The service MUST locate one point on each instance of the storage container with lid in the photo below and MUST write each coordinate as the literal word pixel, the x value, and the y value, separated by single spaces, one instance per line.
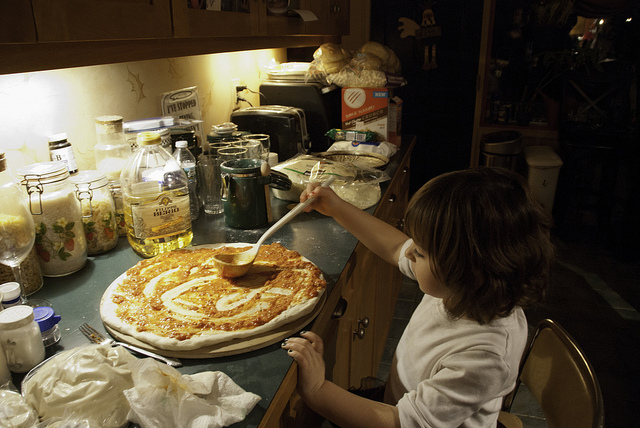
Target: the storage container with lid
pixel 98 211
pixel 10 294
pixel 60 149
pixel 60 240
pixel 48 324
pixel 155 194
pixel 112 150
pixel 21 339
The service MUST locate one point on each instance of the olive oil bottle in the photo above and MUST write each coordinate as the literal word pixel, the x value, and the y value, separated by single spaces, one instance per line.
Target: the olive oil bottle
pixel 155 193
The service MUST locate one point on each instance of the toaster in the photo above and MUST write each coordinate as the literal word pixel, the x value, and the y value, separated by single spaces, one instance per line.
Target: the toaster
pixel 286 127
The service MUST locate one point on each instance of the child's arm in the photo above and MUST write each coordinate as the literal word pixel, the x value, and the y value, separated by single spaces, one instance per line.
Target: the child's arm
pixel 326 398
pixel 378 236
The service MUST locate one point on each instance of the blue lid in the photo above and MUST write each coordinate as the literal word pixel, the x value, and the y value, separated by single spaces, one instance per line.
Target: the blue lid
pixel 45 317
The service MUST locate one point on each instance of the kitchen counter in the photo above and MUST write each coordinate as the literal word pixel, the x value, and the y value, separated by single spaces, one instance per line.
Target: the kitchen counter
pixel 76 297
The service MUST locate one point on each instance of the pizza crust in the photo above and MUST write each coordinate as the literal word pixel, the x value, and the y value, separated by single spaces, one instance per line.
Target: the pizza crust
pixel 180 310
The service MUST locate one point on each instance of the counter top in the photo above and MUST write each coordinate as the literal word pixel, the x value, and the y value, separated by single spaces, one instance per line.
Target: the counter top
pixel 76 297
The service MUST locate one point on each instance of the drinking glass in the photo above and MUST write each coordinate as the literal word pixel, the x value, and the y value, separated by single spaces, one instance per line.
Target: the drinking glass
pixel 232 153
pixel 210 183
pixel 264 140
pixel 254 148
pixel 17 232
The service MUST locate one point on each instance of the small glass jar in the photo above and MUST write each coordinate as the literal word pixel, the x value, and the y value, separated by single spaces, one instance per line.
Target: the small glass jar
pixel 60 240
pixel 48 324
pixel 10 294
pixel 112 150
pixel 98 211
pixel 21 339
pixel 31 275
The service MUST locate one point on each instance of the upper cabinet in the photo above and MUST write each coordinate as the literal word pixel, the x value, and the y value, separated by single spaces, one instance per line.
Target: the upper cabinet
pixel 260 18
pixel 49 34
pixel 78 20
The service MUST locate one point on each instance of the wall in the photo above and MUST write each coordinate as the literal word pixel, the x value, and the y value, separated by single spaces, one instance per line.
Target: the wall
pixel 35 105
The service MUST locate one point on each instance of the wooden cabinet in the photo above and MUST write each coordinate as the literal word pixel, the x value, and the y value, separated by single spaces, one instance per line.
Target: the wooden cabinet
pixel 493 115
pixel 49 34
pixel 76 20
pixel 333 19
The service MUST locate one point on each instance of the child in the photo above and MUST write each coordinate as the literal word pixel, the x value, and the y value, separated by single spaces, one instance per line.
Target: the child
pixel 479 246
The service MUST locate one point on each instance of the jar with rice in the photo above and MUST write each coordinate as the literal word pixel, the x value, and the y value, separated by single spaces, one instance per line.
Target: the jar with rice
pixel 98 211
pixel 60 243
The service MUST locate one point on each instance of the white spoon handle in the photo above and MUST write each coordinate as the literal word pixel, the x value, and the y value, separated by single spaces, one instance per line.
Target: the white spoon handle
pixel 294 212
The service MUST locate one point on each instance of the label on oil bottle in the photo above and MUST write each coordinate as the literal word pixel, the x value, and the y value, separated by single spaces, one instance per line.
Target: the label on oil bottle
pixel 158 218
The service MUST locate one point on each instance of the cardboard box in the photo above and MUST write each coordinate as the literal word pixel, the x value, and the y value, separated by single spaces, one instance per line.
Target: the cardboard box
pixel 373 109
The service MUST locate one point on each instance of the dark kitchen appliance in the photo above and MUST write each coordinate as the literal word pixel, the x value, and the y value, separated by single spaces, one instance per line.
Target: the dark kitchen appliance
pixel 321 105
pixel 286 126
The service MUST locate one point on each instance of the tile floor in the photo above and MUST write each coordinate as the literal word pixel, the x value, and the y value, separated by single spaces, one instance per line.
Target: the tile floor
pixel 596 298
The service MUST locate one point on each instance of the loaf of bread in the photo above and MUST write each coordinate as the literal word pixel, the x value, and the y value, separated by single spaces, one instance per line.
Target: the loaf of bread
pixel 330 58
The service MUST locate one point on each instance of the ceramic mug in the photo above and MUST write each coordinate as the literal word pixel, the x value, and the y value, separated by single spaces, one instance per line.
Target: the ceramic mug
pixel 243 194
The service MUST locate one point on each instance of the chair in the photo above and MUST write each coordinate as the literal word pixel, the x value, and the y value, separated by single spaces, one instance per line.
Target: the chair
pixel 560 378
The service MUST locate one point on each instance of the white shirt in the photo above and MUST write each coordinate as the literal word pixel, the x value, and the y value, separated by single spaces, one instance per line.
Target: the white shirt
pixel 450 373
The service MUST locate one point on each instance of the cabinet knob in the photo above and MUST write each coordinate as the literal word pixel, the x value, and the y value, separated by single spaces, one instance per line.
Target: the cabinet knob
pixel 340 309
pixel 364 322
pixel 400 224
pixel 359 333
pixel 393 197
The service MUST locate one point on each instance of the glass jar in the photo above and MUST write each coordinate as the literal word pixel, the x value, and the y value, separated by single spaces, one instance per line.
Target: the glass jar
pixel 112 150
pixel 116 192
pixel 31 275
pixel 60 241
pixel 21 339
pixel 98 211
pixel 155 193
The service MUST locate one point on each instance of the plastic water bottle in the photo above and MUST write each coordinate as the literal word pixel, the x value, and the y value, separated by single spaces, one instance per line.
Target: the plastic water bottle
pixel 188 163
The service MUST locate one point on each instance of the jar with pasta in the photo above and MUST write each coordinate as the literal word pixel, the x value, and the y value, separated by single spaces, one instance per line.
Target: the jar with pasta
pixel 98 211
pixel 31 276
pixel 60 242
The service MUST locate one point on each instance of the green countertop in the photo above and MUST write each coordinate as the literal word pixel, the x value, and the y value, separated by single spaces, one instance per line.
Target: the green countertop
pixel 76 297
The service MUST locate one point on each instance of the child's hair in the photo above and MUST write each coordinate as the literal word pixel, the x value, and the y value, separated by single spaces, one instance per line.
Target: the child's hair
pixel 487 239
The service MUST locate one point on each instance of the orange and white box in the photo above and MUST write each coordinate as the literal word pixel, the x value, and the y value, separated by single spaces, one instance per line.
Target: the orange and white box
pixel 372 109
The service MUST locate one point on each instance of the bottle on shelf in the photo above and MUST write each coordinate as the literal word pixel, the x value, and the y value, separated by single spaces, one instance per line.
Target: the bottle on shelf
pixel 155 193
pixel 188 163
pixel 60 149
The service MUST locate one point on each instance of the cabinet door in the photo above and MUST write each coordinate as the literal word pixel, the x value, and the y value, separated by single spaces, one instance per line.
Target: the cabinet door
pixel 75 20
pixel 16 22
pixel 388 277
pixel 232 22
pixel 333 18
pixel 362 328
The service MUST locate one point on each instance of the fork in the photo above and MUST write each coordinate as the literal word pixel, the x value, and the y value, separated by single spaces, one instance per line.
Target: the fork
pixel 94 336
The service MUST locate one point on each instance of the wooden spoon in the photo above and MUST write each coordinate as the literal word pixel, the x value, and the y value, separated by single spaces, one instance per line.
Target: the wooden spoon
pixel 238 264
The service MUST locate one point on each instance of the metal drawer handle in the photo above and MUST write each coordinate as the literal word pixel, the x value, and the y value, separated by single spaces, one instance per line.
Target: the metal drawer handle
pixel 340 309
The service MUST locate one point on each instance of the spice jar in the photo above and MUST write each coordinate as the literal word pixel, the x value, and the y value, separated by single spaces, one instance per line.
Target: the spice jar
pixel 20 337
pixel 60 241
pixel 116 192
pixel 47 321
pixel 10 294
pixel 31 276
pixel 98 211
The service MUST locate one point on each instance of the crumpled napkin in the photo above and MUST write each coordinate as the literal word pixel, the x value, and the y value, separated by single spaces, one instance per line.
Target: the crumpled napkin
pixel 163 397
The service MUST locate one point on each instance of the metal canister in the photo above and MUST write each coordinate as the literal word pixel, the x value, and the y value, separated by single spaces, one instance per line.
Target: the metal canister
pixel 60 242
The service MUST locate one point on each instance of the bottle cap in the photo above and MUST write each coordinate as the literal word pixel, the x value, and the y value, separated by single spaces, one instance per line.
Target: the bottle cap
pixel 10 293
pixel 57 137
pixel 45 317
pixel 148 138
pixel 15 317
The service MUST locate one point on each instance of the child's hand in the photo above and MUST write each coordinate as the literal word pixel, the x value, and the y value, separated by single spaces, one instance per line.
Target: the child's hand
pixel 307 352
pixel 326 199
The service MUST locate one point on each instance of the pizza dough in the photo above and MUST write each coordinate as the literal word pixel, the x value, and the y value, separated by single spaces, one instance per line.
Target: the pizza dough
pixel 177 301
